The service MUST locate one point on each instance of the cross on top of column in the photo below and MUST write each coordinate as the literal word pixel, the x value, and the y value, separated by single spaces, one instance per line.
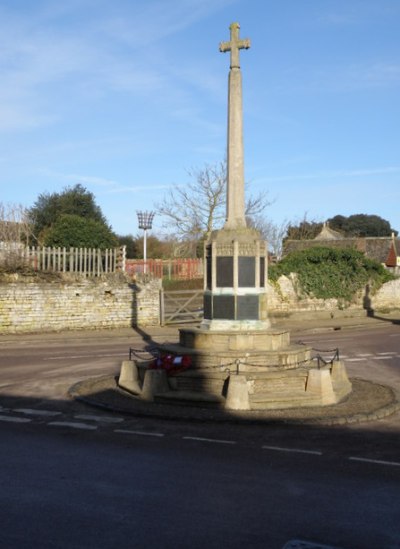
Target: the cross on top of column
pixel 234 45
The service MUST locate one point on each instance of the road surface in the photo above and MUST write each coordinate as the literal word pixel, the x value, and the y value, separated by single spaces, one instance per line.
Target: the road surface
pixel 73 476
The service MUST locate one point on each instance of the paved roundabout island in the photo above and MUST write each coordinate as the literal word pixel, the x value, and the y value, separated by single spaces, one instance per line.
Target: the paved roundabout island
pixel 367 402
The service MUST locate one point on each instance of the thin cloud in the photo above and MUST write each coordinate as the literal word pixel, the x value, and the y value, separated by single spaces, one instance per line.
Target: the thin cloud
pixel 121 189
pixel 335 174
pixel 343 78
pixel 116 49
pixel 363 76
pixel 154 21
pixel 79 178
pixel 358 13
pixel 109 186
pixel 20 117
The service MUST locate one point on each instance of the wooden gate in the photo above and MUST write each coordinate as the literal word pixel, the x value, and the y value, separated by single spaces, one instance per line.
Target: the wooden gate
pixel 181 306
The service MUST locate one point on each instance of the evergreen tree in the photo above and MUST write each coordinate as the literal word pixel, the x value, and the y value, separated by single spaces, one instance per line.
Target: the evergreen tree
pixel 361 225
pixel 70 218
pixel 80 232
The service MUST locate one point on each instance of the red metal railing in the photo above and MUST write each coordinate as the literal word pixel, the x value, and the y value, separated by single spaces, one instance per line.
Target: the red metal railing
pixel 170 268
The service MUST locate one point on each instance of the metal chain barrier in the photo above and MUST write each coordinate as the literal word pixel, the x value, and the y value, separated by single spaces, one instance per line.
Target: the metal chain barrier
pixel 155 352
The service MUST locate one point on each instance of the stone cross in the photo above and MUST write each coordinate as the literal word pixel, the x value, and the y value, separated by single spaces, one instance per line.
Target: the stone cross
pixel 235 205
pixel 234 45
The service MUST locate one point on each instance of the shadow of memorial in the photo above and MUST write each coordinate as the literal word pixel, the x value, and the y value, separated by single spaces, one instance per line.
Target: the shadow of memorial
pixel 366 438
pixel 367 305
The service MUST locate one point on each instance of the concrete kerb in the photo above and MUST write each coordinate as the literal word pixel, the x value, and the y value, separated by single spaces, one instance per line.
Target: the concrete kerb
pixel 103 392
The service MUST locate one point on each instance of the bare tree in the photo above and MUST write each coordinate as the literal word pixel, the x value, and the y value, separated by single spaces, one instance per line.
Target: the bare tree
pixel 197 207
pixel 304 229
pixel 14 234
pixel 274 233
pixel 194 210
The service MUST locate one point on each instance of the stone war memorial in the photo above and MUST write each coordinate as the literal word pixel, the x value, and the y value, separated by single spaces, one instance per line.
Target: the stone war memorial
pixel 235 360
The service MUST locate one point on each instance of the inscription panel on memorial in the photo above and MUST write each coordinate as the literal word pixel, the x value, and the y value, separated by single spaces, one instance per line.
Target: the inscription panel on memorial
pixel 225 272
pixel 224 307
pixel 208 268
pixel 207 301
pixel 247 272
pixel 247 307
pixel 262 272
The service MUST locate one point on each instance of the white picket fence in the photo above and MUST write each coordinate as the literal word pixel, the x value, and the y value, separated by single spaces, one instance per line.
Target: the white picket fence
pixel 85 261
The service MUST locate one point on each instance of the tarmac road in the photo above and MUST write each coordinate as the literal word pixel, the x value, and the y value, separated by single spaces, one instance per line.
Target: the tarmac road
pixel 37 371
pixel 68 488
pixel 73 476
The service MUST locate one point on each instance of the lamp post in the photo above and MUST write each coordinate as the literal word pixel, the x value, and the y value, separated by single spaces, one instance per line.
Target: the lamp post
pixel 145 222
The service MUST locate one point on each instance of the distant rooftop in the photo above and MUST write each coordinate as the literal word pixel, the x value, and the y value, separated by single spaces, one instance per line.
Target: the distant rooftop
pixel 328 234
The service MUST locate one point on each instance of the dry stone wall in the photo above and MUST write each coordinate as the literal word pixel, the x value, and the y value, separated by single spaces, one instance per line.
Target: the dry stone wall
pixel 76 305
pixel 284 299
pixel 113 302
pixel 388 296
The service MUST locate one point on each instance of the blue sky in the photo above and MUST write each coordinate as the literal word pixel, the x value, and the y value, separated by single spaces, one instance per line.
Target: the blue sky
pixel 126 97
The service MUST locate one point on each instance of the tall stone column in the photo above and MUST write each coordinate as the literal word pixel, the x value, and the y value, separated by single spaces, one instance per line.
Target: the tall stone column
pixel 235 203
pixel 236 257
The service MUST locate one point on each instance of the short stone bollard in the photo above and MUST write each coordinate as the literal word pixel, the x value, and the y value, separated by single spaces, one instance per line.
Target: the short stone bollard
pixel 155 382
pixel 340 379
pixel 237 397
pixel 319 383
pixel 129 377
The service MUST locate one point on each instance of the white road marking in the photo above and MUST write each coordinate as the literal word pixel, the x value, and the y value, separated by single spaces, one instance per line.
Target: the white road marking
pixel 294 450
pixel 66 357
pixel 102 419
pixel 355 359
pixel 14 419
pixel 216 440
pixel 376 461
pixel 305 544
pixel 31 412
pixel 383 357
pixel 73 425
pixel 365 354
pixel 74 370
pixel 388 353
pixel 144 433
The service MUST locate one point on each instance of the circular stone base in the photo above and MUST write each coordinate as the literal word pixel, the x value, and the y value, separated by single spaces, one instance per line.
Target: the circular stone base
pixel 367 402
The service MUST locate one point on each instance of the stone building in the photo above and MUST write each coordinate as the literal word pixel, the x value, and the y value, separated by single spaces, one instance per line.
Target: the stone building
pixel 385 249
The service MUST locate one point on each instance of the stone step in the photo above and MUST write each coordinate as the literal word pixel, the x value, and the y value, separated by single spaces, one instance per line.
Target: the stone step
pixel 282 401
pixel 282 385
pixel 198 385
pixel 192 398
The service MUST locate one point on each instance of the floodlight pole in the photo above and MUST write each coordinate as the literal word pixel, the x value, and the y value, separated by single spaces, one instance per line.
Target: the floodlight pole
pixel 145 222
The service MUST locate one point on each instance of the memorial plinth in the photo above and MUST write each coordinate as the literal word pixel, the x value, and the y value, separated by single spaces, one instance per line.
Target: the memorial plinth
pixel 235 281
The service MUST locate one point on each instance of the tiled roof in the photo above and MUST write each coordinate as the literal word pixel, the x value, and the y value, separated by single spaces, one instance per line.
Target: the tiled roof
pixel 383 249
pixel 328 234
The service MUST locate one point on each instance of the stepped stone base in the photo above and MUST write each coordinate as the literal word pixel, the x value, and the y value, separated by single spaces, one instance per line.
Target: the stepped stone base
pixel 240 371
pixel 263 350
pixel 261 340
